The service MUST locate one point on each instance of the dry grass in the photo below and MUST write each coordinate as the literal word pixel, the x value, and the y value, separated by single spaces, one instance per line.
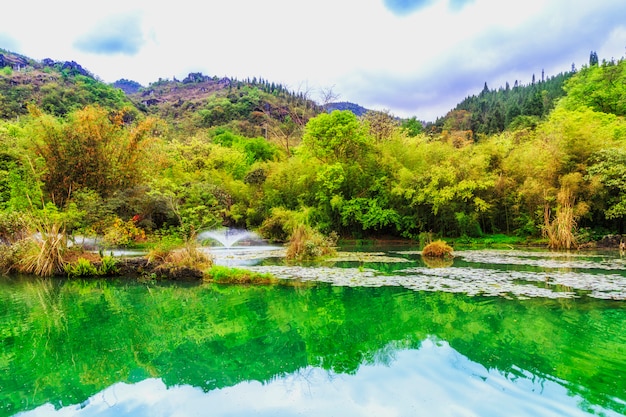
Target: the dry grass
pixel 189 256
pixel 437 249
pixel 307 243
pixel 561 231
pixel 46 256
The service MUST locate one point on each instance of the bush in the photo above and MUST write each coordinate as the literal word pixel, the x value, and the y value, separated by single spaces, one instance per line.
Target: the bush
pixel 13 227
pixel 167 257
pixel 81 268
pixel 45 256
pixel 11 255
pixel 108 266
pixel 279 225
pixel 438 249
pixel 307 243
pixel 122 233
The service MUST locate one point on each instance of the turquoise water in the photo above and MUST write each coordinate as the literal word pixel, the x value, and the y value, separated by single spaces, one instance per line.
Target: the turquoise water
pixel 102 348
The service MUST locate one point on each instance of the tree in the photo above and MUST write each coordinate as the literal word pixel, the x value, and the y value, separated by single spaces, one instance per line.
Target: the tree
pixel 381 124
pixel 609 166
pixel 593 58
pixel 412 126
pixel 88 150
pixel 336 136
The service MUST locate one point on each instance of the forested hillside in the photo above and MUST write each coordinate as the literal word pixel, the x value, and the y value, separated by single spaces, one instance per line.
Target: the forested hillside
pixel 542 160
pixel 493 111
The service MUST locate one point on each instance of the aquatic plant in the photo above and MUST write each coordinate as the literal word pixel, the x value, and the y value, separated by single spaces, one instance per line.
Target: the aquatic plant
pixel 438 249
pixel 226 275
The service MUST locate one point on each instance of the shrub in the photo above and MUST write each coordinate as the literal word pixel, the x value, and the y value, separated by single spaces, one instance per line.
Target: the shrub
pixel 189 256
pixel 45 257
pixel 81 268
pixel 11 255
pixel 122 233
pixel 438 248
pixel 279 225
pixel 13 227
pixel 307 243
pixel 108 266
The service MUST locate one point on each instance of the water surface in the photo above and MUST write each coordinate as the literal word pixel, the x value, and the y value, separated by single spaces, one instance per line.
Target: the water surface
pixel 102 348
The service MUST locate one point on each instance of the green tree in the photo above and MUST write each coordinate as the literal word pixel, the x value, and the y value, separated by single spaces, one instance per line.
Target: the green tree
pixel 609 167
pixel 336 136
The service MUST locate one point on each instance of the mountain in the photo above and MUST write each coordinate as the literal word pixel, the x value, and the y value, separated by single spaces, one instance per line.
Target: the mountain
pixel 345 105
pixel 493 111
pixel 57 87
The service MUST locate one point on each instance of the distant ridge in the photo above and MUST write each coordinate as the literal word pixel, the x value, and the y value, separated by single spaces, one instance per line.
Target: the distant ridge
pixel 345 105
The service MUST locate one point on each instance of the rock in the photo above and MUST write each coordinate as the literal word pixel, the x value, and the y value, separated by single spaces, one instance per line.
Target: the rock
pixel 611 241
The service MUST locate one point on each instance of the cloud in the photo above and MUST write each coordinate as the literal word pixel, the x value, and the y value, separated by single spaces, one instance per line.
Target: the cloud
pixel 121 34
pixel 404 7
pixel 7 42
pixel 496 48
pixel 459 4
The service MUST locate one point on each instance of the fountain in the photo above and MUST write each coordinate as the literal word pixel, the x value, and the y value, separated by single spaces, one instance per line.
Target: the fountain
pixel 228 237
pixel 237 247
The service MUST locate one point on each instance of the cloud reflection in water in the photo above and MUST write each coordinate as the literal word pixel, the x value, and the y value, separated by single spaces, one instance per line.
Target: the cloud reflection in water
pixel 435 380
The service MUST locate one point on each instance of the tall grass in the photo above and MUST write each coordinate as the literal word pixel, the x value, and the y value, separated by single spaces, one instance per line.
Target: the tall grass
pixel 561 231
pixel 307 243
pixel 437 249
pixel 45 257
pixel 187 256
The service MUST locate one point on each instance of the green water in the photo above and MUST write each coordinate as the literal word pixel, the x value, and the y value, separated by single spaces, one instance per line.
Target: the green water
pixel 106 348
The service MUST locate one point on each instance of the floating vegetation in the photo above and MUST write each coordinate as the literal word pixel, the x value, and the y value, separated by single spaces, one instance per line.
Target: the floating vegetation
pixel 559 279
pixel 544 259
pixel 367 257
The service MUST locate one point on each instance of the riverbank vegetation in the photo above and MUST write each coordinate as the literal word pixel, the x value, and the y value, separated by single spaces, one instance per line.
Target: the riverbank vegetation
pixel 250 154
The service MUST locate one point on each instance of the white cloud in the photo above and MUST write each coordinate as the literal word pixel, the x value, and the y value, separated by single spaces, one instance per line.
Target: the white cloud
pixel 435 380
pixel 418 63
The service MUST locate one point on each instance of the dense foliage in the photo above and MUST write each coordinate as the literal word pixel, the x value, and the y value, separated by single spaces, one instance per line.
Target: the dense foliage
pixel 251 154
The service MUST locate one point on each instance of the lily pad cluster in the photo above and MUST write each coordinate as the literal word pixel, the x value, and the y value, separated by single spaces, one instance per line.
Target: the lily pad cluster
pixel 519 274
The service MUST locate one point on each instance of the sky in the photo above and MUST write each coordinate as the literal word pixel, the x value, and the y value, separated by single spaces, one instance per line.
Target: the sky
pixel 409 57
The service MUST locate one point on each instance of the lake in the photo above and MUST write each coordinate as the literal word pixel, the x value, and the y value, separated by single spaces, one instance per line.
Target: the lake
pixel 374 332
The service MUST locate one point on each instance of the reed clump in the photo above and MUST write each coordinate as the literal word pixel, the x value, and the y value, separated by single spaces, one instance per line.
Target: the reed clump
pixel 308 244
pixel 189 256
pixel 438 249
pixel 44 257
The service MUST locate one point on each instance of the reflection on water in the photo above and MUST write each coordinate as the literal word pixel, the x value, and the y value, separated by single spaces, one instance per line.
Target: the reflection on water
pixel 434 380
pixel 98 347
